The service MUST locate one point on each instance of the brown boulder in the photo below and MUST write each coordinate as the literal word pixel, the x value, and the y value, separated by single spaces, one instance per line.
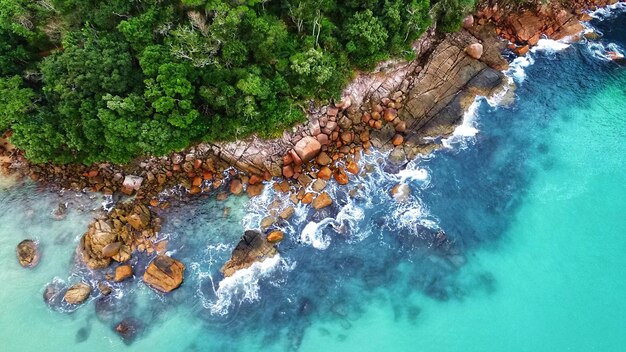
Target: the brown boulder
pixel 390 115
pixel 236 187
pixel 288 171
pixel 397 140
pixel 468 22
pixel 322 201
pixel 324 173
pixel 140 217
pixel 164 273
pixel 308 148
pixel 28 253
pixel 522 50
pixel 474 51
pixel 111 249
pixel 352 167
pixel 275 236
pixel 77 294
pixel 323 159
pixel 253 247
pixel 307 198
pixel 255 190
pixel 341 177
pixel 123 272
pixel 287 213
pixel 319 185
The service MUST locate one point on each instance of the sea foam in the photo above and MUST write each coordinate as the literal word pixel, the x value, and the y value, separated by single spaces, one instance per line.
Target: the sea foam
pixel 243 285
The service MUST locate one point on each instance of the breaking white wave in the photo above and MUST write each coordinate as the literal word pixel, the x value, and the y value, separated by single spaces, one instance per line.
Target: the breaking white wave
pixel 243 285
pixel 313 236
pixel 467 129
pixel 603 52
pixel 550 46
pixel 607 12
pixel 517 68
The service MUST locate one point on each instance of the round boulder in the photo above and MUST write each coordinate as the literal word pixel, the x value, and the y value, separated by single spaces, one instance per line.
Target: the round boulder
pixel 77 294
pixel 28 253
pixel 475 50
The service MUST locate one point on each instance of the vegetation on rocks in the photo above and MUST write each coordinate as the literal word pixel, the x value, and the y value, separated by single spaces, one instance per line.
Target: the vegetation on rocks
pixel 83 81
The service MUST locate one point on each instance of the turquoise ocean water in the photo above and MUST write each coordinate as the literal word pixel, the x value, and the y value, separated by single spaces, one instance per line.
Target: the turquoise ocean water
pixel 531 196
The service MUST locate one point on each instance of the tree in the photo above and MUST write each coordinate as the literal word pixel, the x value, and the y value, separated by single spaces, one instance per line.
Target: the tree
pixel 15 102
pixel 365 36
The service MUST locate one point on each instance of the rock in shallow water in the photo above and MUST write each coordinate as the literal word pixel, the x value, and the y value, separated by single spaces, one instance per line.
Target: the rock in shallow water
pixel 253 247
pixel 77 294
pixel 164 273
pixel 28 253
pixel 128 329
pixel 123 272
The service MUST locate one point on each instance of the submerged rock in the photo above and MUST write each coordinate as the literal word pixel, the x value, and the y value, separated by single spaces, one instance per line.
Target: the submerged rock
pixel 253 247
pixel 60 212
pixel 401 192
pixel 104 289
pixel 128 329
pixel 164 273
pixel 77 294
pixel 28 253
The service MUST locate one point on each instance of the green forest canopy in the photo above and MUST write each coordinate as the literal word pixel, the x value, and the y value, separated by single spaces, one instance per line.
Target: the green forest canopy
pixel 83 81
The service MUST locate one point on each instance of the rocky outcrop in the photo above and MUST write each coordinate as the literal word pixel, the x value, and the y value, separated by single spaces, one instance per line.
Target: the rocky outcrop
pixel 253 247
pixel 114 237
pixel 77 294
pixel 164 273
pixel 438 99
pixel 524 28
pixel 28 253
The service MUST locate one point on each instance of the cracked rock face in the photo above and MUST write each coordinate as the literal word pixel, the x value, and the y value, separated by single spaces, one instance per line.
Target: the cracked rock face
pixel 253 247
pixel 164 274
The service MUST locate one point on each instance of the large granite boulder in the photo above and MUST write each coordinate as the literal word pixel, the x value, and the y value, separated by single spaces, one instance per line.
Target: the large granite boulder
pixel 308 148
pixel 164 273
pixel 253 247
pixel 28 253
pixel 77 294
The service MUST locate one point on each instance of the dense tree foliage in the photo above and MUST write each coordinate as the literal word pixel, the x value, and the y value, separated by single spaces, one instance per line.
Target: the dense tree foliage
pixel 93 80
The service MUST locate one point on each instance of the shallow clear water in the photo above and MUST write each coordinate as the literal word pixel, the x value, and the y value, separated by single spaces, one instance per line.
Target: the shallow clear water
pixel 533 206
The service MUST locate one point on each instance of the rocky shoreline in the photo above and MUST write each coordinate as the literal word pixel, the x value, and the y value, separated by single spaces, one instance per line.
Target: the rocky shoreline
pixel 396 109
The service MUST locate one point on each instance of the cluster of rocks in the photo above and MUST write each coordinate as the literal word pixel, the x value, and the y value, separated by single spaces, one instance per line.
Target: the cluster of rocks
pixel 523 28
pixel 128 227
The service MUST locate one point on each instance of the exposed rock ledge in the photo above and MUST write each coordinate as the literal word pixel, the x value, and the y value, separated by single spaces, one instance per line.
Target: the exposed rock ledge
pixel 439 85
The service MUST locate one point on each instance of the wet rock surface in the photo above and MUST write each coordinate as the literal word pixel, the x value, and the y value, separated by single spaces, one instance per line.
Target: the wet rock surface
pixel 114 237
pixel 253 247
pixel 164 273
pixel 77 294
pixel 28 253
